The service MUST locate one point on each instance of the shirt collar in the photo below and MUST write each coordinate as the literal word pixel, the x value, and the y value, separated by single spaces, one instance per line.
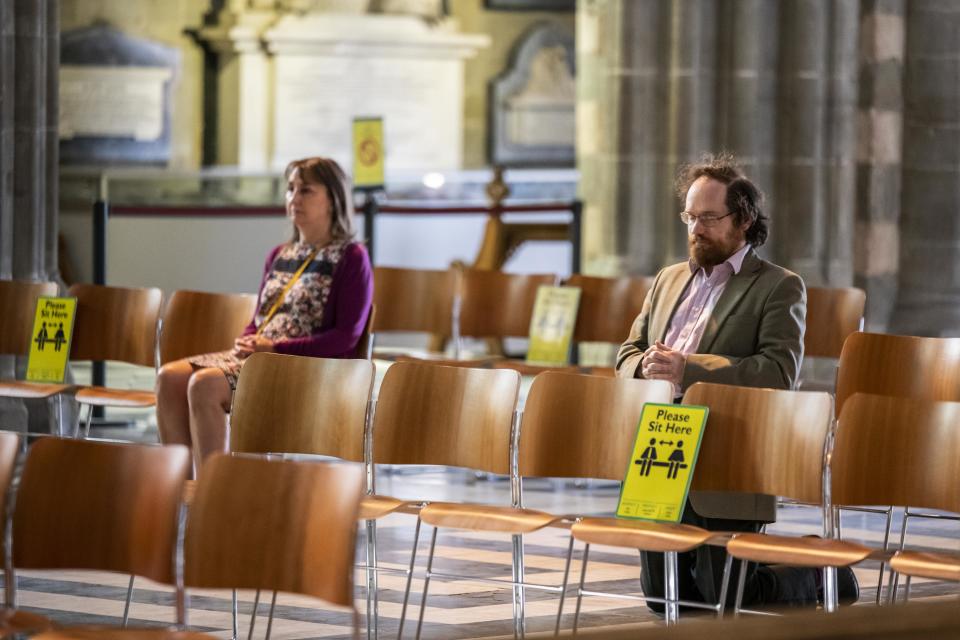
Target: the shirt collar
pixel 735 261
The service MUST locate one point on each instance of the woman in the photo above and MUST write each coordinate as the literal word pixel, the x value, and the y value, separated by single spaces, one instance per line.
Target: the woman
pixel 314 300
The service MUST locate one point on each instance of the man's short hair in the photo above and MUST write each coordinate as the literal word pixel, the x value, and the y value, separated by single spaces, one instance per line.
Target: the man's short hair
pixel 744 199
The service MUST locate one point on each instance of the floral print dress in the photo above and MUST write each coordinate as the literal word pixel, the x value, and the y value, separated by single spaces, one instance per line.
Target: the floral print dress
pixel 301 312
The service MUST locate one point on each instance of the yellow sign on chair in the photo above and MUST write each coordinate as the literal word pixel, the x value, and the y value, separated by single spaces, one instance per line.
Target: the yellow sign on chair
pixel 51 339
pixel 368 153
pixel 665 452
pixel 551 327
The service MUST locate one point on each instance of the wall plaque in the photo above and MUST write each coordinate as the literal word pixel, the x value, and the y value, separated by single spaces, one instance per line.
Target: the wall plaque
pixel 114 98
pixel 533 102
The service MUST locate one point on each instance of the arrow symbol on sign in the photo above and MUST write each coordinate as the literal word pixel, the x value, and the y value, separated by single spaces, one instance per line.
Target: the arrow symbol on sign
pixel 665 442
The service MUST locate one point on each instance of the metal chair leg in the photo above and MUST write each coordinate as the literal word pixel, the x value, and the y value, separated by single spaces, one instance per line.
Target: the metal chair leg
pixel 583 576
pixel 886 543
pixel 893 583
pixel 725 585
pixel 86 427
pixel 830 589
pixel 233 610
pixel 253 615
pixel 671 587
pixel 519 614
pixel 273 605
pixel 426 582
pixel 741 582
pixel 126 604
pixel 373 601
pixel 406 590
pixel 563 587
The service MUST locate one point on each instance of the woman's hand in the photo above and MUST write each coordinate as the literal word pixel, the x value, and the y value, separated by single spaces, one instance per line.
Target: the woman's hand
pixel 245 345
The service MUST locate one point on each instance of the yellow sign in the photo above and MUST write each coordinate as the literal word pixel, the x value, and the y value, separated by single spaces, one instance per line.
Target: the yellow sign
pixel 51 339
pixel 661 467
pixel 551 327
pixel 368 153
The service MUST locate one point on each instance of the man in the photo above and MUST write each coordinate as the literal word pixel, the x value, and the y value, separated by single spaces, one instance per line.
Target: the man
pixel 724 316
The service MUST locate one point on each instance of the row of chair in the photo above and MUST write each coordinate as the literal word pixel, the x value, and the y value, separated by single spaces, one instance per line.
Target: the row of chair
pixel 252 523
pixel 428 414
pixel 462 302
pixel 122 325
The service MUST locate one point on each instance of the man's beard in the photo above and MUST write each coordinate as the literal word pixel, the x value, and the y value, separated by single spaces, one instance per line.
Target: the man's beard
pixel 710 253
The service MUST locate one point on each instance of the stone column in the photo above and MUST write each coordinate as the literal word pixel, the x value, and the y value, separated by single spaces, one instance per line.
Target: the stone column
pixel 928 300
pixel 879 141
pixel 6 137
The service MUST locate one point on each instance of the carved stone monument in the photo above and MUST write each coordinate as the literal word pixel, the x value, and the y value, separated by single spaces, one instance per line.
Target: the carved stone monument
pixel 533 101
pixel 114 98
pixel 290 86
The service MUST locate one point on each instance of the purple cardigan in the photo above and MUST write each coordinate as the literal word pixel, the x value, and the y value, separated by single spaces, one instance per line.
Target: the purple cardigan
pixel 344 317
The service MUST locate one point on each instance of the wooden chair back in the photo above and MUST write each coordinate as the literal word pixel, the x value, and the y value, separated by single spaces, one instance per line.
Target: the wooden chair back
pixel 762 440
pixel 297 404
pixel 897 451
pixel 608 306
pixel 579 426
pixel 832 315
pixel 18 300
pixel 495 304
pixel 100 506
pixel 274 524
pixel 115 323
pixel 417 300
pixel 454 416
pixel 196 322
pixel 903 366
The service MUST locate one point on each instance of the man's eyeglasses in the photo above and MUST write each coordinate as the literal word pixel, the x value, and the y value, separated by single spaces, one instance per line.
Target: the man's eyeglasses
pixel 707 221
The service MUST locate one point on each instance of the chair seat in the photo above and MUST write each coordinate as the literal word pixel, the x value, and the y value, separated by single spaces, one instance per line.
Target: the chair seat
pixel 479 517
pixel 638 534
pixel 604 372
pixel 17 621
pixel 799 551
pixel 484 362
pixel 99 633
pixel 938 566
pixel 376 507
pixel 109 397
pixel 23 389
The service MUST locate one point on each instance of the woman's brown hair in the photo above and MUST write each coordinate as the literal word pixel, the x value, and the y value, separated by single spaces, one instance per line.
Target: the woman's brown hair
pixel 326 172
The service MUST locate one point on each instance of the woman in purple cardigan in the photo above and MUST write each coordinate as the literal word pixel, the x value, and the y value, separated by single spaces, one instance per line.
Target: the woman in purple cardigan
pixel 314 301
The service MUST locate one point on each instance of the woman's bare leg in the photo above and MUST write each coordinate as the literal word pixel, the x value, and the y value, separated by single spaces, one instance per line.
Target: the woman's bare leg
pixel 209 398
pixel 173 412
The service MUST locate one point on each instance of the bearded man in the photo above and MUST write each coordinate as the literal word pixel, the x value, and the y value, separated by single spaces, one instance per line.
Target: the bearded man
pixel 730 317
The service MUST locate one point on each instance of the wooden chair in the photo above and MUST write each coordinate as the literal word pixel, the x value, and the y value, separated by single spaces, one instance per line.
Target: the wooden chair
pixel 608 307
pixel 574 426
pixel 118 324
pixel 888 451
pixel 438 415
pixel 301 405
pixel 18 300
pixel 832 315
pixel 900 366
pixel 297 535
pixel 901 452
pixel 98 506
pixel 196 322
pixel 415 300
pixel 778 441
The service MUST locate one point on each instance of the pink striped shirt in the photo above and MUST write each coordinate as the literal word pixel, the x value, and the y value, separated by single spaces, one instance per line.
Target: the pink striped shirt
pixel 698 301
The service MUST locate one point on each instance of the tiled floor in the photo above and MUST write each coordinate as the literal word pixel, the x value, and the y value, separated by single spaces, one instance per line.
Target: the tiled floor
pixel 457 609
